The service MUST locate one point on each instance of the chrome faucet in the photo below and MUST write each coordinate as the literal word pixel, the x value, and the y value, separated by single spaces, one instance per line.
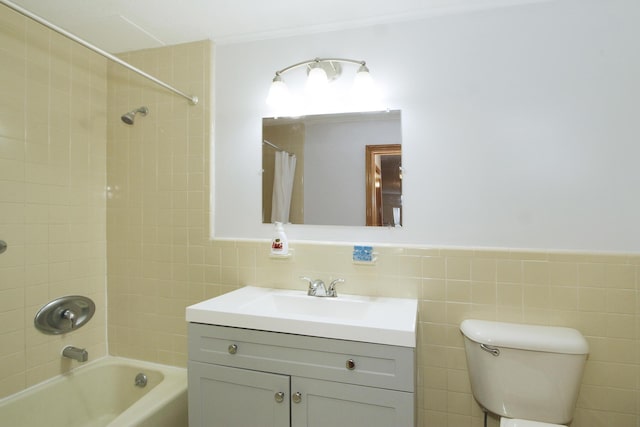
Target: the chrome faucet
pixel 317 287
pixel 75 353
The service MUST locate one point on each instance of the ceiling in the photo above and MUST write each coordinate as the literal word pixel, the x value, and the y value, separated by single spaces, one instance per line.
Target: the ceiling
pixel 125 25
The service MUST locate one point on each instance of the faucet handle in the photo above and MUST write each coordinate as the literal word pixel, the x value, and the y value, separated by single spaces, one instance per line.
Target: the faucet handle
pixel 331 292
pixel 312 286
pixel 307 279
pixel 70 316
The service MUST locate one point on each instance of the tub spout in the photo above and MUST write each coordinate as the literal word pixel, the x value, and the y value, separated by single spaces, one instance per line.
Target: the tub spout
pixel 75 353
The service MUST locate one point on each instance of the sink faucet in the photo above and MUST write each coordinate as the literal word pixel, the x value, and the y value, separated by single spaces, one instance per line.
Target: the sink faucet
pixel 317 287
pixel 75 353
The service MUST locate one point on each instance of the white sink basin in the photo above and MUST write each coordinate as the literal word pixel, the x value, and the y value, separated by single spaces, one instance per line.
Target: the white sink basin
pixel 358 318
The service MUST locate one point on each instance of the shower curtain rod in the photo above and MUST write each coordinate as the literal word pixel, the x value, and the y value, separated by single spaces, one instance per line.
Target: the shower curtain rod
pixel 193 100
pixel 272 145
pixel 275 147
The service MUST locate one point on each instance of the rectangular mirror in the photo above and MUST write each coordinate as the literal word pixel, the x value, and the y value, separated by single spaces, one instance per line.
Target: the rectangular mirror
pixel 333 169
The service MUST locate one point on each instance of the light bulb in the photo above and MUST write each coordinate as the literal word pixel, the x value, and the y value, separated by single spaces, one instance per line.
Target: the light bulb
pixel 363 82
pixel 317 81
pixel 363 92
pixel 278 93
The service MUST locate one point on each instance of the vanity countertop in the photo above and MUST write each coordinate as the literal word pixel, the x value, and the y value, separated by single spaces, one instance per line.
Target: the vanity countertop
pixel 380 320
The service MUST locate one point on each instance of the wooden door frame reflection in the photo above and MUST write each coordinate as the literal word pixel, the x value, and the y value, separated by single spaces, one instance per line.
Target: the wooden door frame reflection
pixel 373 175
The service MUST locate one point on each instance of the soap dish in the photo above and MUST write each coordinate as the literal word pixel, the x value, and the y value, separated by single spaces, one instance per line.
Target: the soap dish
pixel 372 261
pixel 282 256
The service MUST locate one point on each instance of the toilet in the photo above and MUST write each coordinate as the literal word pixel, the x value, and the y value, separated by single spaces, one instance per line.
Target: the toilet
pixel 528 375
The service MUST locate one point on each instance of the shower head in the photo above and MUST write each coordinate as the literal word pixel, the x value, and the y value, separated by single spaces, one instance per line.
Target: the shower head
pixel 129 117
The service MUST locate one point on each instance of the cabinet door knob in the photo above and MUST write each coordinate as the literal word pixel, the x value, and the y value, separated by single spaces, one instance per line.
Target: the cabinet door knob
pixel 296 397
pixel 233 349
pixel 279 397
pixel 351 364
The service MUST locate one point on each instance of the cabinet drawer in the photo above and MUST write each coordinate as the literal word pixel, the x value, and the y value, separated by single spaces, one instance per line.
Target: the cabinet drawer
pixel 374 365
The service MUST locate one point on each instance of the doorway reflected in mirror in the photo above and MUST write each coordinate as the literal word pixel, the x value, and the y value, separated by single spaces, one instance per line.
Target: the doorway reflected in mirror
pixel 384 185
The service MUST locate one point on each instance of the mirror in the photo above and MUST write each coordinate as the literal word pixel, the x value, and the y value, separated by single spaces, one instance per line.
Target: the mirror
pixel 325 170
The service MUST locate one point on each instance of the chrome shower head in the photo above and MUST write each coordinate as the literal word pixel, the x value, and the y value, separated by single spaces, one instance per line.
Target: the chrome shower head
pixel 129 117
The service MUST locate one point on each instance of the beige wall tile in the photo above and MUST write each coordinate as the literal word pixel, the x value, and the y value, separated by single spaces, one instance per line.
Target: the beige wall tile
pixel 620 276
pixel 563 273
pixel 509 295
pixel 59 234
pixel 458 268
pixel 434 289
pixel 563 298
pixel 509 271
pixel 434 267
pixel 458 291
pixel 484 293
pixel 535 272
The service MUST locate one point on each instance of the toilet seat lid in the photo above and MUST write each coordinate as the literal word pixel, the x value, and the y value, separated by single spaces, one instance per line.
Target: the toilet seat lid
pixel 513 422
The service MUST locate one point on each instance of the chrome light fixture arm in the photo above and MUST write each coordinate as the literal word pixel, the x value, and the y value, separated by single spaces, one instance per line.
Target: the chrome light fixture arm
pixel 319 60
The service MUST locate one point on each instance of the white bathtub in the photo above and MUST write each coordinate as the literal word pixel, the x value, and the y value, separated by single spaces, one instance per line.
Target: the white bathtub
pixel 103 393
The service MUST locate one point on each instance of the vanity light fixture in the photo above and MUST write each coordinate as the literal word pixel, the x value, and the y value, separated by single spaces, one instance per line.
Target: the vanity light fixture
pixel 320 71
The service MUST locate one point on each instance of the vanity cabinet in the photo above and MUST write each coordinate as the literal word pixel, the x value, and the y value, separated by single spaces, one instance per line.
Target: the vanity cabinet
pixel 243 377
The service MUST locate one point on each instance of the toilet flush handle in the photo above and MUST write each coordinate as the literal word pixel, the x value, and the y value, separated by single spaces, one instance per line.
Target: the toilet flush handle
pixel 493 350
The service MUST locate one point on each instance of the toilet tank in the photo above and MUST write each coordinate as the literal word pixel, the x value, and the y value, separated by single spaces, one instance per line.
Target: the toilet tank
pixel 525 371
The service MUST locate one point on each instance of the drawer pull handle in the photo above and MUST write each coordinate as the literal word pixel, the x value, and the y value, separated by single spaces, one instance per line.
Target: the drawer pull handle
pixel 279 397
pixel 296 397
pixel 351 364
pixel 233 349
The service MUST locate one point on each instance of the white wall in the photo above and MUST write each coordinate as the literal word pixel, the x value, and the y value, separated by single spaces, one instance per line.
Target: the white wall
pixel 334 169
pixel 520 126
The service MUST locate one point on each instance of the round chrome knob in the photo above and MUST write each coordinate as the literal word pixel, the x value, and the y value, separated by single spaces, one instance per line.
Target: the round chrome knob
pixel 351 364
pixel 233 349
pixel 279 396
pixel 296 397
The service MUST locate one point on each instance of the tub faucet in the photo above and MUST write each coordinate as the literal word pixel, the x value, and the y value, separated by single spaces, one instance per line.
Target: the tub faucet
pixel 75 353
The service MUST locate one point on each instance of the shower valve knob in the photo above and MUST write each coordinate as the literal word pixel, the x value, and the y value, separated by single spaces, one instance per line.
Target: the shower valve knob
pixel 70 316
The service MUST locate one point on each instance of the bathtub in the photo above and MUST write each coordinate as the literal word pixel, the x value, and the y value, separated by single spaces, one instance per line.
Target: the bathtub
pixel 103 393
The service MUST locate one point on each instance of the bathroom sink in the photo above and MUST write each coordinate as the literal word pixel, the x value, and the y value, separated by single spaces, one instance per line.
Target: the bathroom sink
pixel 301 304
pixel 358 318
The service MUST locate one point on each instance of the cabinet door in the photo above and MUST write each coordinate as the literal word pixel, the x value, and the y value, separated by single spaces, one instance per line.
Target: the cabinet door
pixel 325 403
pixel 220 396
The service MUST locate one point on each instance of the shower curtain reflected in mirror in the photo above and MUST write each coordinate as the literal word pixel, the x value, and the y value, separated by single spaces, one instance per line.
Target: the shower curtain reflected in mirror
pixel 285 168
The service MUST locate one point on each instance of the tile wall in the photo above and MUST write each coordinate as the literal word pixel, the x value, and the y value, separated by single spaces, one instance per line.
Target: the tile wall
pixel 157 200
pixel 52 207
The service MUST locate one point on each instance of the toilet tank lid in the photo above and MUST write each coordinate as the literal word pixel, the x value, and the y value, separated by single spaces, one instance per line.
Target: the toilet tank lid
pixel 550 339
